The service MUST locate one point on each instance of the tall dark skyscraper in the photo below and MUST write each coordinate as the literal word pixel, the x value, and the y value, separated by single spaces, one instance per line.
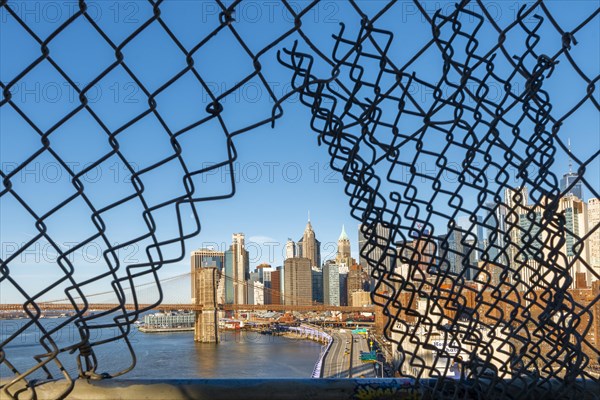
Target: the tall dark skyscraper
pixel 569 178
pixel 374 253
pixel 496 220
pixel 317 285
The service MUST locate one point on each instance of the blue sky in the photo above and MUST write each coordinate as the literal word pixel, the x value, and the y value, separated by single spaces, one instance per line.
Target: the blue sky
pixel 282 173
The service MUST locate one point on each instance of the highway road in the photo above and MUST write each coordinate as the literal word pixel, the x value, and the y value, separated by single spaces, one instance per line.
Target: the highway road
pixel 343 358
pixel 360 369
pixel 337 360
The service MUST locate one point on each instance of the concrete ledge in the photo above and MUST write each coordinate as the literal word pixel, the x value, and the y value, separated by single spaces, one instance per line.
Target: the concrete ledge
pixel 260 389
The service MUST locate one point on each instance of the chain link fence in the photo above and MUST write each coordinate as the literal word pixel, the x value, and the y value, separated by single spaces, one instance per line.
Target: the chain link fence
pixel 430 112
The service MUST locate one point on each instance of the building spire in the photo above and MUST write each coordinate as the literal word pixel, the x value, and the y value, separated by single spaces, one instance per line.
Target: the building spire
pixel 308 224
pixel 570 159
pixel 343 235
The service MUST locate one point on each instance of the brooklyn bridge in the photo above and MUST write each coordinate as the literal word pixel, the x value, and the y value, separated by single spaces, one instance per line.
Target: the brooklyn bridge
pixel 207 303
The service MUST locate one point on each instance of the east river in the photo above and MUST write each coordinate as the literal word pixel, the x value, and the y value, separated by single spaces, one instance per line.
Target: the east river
pixel 171 355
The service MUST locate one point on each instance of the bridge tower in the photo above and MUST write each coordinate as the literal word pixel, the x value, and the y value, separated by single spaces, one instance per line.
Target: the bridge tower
pixel 206 328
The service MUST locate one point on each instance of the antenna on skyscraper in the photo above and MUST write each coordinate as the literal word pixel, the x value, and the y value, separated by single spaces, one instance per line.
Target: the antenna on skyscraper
pixel 308 215
pixel 570 159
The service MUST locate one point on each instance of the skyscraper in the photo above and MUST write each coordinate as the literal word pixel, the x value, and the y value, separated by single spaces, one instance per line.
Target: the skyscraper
pixel 381 236
pixel 343 295
pixel 517 201
pixel 260 269
pixel 275 292
pixel 343 252
pixel 317 285
pixel 594 239
pixel 252 282
pixel 576 227
pixel 529 238
pixel 309 246
pixel 450 252
pixel 228 276
pixel 571 178
pixel 355 282
pixel 474 241
pixel 418 253
pixel 474 229
pixel 298 281
pixel 331 284
pixel 240 268
pixel 266 281
pixel 496 220
pixel 290 249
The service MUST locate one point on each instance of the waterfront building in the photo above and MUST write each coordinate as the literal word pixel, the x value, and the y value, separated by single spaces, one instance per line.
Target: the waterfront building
pixel 298 281
pixel 309 246
pixel 331 284
pixel 170 320
pixel 205 258
pixel 317 285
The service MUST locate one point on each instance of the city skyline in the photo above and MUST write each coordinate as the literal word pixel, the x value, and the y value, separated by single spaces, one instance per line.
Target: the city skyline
pixel 413 186
pixel 465 250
